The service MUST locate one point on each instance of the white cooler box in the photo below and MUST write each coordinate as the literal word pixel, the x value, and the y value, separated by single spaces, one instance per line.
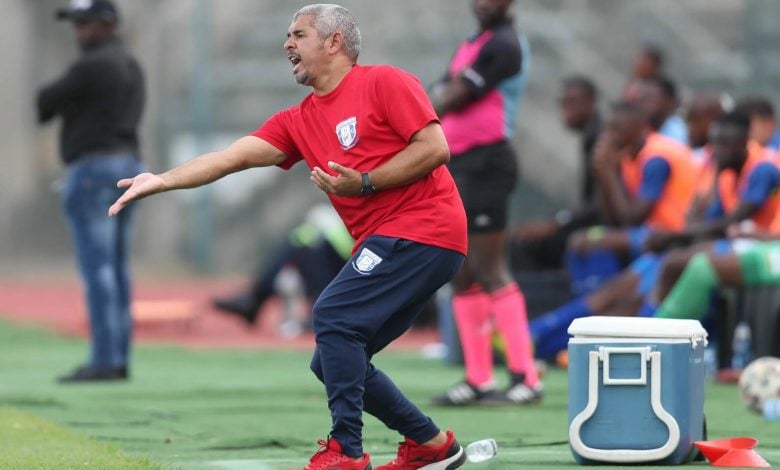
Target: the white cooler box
pixel 636 389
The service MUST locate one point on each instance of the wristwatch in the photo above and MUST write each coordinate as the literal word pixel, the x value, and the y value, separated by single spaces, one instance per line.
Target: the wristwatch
pixel 368 188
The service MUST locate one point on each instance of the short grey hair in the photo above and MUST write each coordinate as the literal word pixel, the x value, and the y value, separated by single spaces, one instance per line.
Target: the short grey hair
pixel 328 18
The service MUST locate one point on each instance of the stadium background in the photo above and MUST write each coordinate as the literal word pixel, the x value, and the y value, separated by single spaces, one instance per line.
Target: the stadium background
pixel 216 70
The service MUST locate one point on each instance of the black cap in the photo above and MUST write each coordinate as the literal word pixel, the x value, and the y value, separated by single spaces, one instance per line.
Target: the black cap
pixel 89 10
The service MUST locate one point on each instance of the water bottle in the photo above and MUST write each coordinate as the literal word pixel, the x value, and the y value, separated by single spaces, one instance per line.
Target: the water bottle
pixel 771 409
pixel 710 361
pixel 481 451
pixel 741 346
pixel 289 285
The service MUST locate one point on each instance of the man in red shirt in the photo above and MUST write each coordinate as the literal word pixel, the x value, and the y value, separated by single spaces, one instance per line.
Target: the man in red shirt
pixel 374 145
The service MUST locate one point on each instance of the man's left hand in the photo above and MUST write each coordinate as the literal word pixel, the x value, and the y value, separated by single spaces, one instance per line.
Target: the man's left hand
pixel 606 157
pixel 347 183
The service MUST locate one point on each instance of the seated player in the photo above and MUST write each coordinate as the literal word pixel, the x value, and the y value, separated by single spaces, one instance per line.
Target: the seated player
pixel 750 262
pixel 318 249
pixel 540 244
pixel 745 190
pixel 763 126
pixel 658 97
pixel 646 182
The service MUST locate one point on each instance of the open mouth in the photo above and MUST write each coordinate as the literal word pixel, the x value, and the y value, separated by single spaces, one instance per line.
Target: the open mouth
pixel 295 60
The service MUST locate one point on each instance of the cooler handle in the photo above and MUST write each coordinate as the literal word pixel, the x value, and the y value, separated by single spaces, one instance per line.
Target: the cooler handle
pixel 624 455
pixel 644 356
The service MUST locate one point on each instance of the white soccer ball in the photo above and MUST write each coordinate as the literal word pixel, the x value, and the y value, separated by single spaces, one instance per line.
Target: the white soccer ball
pixel 760 381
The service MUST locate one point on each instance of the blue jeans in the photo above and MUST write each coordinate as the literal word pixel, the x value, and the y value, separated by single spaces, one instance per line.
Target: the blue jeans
pixel 101 244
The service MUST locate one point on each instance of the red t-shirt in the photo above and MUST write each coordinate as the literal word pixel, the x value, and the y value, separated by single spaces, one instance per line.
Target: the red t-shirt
pixel 364 122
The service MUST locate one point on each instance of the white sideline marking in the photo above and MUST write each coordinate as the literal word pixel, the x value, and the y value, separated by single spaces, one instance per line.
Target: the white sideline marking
pixel 280 463
pixel 277 463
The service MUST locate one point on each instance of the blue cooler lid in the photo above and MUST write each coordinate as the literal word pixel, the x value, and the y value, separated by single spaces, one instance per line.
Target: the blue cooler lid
pixel 637 327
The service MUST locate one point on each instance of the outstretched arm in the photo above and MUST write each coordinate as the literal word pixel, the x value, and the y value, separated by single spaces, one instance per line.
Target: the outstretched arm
pixel 761 186
pixel 246 152
pixel 718 228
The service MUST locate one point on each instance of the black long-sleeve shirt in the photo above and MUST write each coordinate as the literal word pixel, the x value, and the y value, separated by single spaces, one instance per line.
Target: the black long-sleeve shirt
pixel 588 211
pixel 100 98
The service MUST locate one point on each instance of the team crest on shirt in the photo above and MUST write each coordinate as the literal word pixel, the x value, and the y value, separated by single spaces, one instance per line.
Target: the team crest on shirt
pixel 346 131
pixel 366 261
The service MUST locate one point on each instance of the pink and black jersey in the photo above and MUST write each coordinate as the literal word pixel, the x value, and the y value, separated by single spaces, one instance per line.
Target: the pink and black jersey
pixel 364 122
pixel 493 65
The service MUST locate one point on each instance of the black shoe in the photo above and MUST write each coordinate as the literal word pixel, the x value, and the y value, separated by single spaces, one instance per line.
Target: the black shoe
pixel 90 374
pixel 462 394
pixel 518 393
pixel 243 306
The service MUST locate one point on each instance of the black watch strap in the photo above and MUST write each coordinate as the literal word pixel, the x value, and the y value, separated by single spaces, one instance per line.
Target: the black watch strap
pixel 367 188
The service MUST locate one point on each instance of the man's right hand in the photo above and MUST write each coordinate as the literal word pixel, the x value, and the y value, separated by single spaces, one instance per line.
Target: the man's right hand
pixel 604 155
pixel 138 187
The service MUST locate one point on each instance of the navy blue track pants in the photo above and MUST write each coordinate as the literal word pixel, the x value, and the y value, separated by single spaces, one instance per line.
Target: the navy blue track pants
pixel 372 301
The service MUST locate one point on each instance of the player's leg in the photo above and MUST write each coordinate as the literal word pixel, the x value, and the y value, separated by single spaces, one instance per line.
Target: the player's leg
pixel 593 255
pixel 382 399
pixel 759 265
pixel 636 300
pixel 690 296
pixel 318 266
pixel 471 311
pixel 423 441
pixel 383 280
pixel 673 266
pixel 124 168
pixel 676 260
pixel 489 263
pixel 753 265
pixel 317 275
pixel 549 331
pixel 247 304
pixel 484 285
pixel 124 285
pixel 507 305
pixel 470 303
pixel 87 196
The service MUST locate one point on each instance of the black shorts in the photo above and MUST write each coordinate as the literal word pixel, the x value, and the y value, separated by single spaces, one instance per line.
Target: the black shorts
pixel 485 177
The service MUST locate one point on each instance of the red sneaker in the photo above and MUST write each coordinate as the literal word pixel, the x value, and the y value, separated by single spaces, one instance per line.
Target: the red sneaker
pixel 329 457
pixel 412 456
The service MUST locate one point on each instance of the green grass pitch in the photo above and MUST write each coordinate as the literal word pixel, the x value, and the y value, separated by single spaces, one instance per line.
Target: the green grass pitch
pixel 259 409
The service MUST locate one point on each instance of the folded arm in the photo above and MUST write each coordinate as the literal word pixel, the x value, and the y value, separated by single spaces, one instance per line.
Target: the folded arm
pixel 76 83
pixel 426 151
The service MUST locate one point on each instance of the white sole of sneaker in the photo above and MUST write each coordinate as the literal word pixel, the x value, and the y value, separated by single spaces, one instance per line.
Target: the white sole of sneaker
pixel 448 464
pixel 499 404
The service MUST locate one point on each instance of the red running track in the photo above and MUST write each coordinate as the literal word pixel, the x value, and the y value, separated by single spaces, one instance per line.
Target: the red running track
pixel 57 304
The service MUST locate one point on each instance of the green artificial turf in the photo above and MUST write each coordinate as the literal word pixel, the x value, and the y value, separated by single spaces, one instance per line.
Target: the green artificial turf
pixel 29 442
pixel 265 410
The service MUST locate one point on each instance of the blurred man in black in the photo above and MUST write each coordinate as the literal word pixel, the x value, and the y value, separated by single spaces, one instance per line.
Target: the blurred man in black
pixel 541 244
pixel 100 98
